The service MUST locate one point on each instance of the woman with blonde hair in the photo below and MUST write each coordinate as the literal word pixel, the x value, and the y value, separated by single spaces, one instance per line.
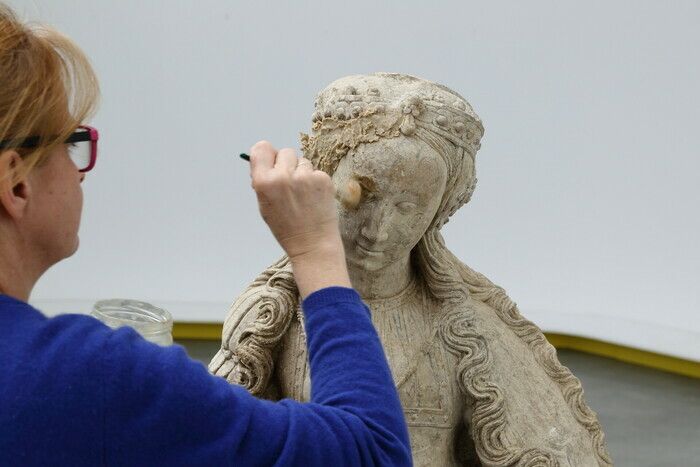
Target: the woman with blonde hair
pixel 73 392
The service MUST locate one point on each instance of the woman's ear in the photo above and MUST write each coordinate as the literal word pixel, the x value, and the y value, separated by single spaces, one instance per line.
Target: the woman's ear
pixel 14 184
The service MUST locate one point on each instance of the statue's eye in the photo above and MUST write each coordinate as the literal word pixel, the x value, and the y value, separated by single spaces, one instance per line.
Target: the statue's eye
pixel 406 207
pixel 368 196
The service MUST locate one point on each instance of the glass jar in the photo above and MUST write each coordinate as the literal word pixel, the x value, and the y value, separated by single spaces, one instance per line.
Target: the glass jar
pixel 153 323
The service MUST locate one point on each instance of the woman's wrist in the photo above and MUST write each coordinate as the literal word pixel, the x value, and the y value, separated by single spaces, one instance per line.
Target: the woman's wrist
pixel 321 267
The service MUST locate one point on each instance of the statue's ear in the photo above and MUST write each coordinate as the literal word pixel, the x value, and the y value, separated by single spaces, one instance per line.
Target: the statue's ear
pixel 15 189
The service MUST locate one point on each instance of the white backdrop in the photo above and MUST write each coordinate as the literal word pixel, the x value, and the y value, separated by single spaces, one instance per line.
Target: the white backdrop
pixel 587 204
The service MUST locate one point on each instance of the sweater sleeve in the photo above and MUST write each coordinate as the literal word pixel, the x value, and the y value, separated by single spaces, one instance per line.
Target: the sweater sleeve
pixel 161 408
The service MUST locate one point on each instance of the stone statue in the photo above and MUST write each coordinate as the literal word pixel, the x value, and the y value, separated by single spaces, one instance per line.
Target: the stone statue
pixel 480 384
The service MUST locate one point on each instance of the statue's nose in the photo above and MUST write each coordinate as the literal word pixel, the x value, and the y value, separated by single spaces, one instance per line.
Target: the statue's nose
pixel 375 229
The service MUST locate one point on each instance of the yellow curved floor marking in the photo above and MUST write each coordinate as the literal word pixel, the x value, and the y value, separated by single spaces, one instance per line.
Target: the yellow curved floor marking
pixel 212 331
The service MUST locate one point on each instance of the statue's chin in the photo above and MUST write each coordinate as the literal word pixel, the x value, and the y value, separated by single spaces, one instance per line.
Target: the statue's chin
pixel 367 263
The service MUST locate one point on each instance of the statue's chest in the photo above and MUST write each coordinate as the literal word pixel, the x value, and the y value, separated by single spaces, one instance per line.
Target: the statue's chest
pixel 423 371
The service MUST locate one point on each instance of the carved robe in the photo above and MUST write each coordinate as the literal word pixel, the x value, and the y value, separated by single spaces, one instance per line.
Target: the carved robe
pixel 522 418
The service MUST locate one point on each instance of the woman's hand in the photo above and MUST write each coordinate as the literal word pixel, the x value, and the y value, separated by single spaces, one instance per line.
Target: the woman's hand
pixel 298 204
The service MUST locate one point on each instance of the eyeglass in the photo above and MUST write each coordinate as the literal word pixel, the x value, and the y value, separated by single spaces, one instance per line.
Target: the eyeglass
pixel 82 147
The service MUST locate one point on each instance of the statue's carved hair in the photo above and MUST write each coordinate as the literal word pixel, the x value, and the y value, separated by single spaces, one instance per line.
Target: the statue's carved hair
pixel 248 359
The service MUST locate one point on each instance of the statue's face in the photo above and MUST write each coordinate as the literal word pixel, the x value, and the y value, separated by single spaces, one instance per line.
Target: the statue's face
pixel 402 181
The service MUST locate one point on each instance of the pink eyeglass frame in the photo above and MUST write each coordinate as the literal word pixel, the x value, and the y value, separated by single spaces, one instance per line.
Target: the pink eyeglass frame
pixel 91 134
pixel 88 134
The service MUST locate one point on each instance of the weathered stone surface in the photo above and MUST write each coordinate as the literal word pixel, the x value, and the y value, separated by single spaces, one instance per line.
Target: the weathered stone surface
pixel 480 384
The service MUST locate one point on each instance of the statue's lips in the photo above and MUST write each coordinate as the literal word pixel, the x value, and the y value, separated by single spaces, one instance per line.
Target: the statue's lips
pixel 369 252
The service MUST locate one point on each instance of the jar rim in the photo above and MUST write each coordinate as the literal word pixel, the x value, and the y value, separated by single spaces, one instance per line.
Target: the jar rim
pixel 147 318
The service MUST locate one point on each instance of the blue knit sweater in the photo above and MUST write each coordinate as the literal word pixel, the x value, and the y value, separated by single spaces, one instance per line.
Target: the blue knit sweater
pixel 73 392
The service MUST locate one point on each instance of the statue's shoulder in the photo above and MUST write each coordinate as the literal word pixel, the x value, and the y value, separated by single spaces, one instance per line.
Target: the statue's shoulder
pixel 506 326
pixel 479 316
pixel 244 311
pixel 480 307
pixel 241 316
pixel 259 311
pixel 538 401
pixel 272 289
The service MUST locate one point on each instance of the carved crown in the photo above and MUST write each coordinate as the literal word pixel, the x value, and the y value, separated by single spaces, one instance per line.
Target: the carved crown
pixel 417 102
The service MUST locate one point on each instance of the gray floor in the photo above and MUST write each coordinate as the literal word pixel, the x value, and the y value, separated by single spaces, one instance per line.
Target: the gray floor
pixel 650 418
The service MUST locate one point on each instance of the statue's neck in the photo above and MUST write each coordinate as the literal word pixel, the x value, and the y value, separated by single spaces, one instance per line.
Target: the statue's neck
pixel 384 283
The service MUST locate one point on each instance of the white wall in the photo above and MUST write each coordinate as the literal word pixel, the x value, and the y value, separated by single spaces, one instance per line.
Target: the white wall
pixel 587 204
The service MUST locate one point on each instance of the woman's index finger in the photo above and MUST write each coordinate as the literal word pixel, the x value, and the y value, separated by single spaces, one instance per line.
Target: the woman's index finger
pixel 262 158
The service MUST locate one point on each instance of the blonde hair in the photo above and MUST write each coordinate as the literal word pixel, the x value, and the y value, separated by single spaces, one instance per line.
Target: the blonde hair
pixel 47 88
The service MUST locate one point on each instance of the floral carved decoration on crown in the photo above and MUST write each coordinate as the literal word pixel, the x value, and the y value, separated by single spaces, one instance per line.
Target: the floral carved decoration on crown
pixel 440 112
